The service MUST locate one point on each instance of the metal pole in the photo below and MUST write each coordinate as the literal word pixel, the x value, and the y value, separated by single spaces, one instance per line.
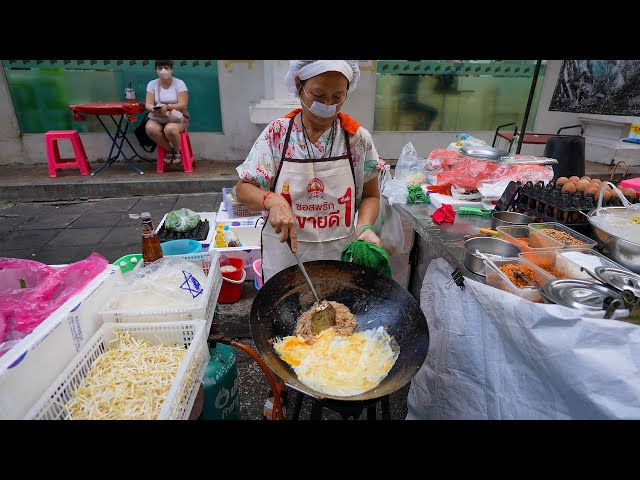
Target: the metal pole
pixel 523 129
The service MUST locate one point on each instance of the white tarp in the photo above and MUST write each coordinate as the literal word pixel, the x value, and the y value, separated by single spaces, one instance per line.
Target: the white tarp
pixel 495 356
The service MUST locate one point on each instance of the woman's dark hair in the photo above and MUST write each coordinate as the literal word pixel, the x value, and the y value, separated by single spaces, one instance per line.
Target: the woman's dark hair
pixel 163 63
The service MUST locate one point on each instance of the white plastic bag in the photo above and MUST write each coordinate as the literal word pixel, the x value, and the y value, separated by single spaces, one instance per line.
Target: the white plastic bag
pixel 410 166
pixel 388 224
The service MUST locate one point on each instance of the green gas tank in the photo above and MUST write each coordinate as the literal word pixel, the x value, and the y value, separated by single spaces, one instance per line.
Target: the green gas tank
pixel 220 382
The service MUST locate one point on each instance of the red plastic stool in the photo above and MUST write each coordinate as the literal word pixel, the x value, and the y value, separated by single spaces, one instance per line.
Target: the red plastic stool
pixel 53 153
pixel 188 162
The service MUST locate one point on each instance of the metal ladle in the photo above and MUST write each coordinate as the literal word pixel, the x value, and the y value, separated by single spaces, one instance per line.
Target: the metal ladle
pixel 325 315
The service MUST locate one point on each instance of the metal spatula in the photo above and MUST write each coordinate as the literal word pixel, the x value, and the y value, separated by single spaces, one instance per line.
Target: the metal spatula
pixel 325 315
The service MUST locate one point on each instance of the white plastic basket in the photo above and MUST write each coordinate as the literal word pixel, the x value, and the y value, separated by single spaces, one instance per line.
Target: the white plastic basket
pixel 179 401
pixel 31 365
pixel 234 207
pixel 204 308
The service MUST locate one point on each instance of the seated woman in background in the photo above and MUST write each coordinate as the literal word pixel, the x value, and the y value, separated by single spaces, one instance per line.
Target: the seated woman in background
pixel 166 101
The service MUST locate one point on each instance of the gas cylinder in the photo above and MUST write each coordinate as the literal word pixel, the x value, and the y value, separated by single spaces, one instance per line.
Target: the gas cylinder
pixel 220 382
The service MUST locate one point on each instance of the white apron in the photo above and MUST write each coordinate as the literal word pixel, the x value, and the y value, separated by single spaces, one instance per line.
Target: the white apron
pixel 321 192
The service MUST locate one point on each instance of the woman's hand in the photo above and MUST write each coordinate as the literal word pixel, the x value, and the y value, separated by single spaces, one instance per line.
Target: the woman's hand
pixel 162 110
pixel 282 219
pixel 369 236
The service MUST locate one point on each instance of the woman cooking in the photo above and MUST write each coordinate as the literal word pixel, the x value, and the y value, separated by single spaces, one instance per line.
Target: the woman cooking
pixel 311 171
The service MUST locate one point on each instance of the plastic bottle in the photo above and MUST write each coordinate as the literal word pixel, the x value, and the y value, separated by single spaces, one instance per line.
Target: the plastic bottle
pixel 151 249
pixel 130 94
pixel 231 237
pixel 220 241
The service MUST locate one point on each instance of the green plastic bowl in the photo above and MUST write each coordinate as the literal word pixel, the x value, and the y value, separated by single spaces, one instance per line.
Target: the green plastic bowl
pixel 128 262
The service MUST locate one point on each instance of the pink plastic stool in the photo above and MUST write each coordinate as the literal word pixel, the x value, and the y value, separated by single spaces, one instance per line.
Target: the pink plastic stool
pixel 53 153
pixel 188 162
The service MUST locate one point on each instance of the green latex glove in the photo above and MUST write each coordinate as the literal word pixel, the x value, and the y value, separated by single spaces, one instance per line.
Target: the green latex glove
pixel 367 254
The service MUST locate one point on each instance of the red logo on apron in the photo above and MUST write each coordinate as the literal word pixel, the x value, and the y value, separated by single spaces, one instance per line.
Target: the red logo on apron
pixel 315 188
pixel 346 201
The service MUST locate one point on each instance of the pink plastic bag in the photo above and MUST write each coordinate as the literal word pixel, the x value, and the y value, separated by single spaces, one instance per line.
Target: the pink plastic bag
pixel 22 310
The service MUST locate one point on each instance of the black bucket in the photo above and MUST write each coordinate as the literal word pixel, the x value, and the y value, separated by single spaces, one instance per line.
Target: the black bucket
pixel 569 151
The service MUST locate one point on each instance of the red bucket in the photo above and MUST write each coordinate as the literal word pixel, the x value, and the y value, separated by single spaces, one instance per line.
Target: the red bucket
pixel 231 289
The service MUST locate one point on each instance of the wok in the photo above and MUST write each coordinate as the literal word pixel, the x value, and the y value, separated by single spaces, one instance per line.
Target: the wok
pixel 375 299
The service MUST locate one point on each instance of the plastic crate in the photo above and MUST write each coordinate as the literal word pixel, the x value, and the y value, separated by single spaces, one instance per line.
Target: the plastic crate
pixel 235 208
pixel 204 308
pixel 181 396
pixel 32 364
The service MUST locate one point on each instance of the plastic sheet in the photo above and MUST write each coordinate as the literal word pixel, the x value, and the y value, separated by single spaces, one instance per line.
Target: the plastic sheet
pixel 493 356
pixel 469 172
pixel 170 281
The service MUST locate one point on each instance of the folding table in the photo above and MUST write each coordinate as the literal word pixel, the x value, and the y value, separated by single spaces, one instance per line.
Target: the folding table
pixel 126 111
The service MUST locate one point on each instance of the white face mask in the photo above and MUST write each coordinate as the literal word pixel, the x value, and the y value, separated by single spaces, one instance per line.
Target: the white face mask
pixel 164 74
pixel 321 110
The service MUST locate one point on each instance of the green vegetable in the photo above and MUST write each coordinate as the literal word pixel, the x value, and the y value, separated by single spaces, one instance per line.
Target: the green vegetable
pixel 181 220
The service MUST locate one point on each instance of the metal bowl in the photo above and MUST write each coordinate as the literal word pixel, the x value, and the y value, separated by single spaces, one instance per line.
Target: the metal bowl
pixel 488 246
pixel 623 251
pixel 507 219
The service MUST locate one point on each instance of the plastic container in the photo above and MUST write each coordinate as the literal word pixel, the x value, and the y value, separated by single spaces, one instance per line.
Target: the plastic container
pixel 202 309
pixel 230 237
pixel 567 268
pixel 178 402
pixel 249 251
pixel 231 289
pixel 537 242
pixel 181 247
pixel 257 269
pixel 235 208
pixel 128 262
pixel 587 243
pixel 496 279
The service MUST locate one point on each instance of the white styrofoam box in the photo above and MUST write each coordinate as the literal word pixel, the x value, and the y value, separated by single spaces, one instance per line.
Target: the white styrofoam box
pixel 249 251
pixel 181 396
pixel 31 365
pixel 211 216
pixel 223 217
pixel 204 304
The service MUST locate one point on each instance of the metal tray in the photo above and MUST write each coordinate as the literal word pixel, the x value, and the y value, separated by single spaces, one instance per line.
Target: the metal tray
pixel 483 152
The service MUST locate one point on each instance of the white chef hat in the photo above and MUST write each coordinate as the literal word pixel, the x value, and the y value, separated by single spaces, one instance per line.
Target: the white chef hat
pixel 304 69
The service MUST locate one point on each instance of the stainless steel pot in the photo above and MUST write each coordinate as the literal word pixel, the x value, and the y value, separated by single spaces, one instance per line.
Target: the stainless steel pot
pixel 623 251
pixel 488 246
pixel 507 219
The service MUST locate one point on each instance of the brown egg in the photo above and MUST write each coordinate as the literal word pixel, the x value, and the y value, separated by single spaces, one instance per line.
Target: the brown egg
pixel 606 195
pixel 630 193
pixel 582 185
pixel 586 178
pixel 574 179
pixel 592 189
pixel 561 181
pixel 569 187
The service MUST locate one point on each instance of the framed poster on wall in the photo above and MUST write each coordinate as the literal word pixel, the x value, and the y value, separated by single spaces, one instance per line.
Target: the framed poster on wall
pixel 605 87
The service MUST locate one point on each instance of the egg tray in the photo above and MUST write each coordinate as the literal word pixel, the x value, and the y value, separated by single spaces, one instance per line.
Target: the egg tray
pixel 549 204
pixel 198 233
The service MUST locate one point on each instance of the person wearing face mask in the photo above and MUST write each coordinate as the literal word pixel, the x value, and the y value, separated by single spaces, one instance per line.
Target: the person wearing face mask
pixel 311 171
pixel 167 95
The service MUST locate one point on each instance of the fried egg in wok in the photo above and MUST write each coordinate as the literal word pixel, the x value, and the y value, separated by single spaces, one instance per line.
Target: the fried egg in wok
pixel 340 365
